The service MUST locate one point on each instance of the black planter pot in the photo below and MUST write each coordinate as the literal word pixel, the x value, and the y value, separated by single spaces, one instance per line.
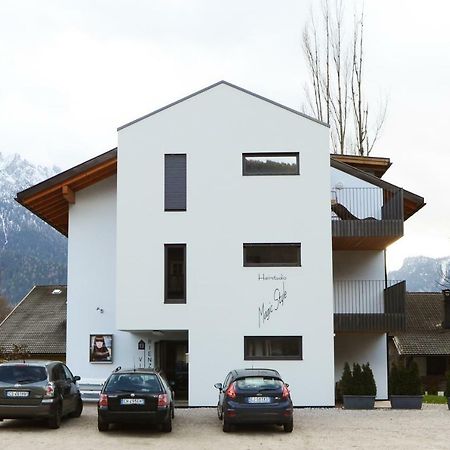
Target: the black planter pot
pixel 359 401
pixel 406 401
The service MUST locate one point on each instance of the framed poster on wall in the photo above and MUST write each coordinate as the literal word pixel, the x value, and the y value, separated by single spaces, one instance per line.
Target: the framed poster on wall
pixel 100 348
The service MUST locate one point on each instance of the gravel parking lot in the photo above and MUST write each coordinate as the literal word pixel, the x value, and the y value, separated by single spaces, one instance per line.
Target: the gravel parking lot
pixel 200 429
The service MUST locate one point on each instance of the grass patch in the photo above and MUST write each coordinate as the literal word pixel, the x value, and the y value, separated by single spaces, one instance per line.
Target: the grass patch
pixel 437 399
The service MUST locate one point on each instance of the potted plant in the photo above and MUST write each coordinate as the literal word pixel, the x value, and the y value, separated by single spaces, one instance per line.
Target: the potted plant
pixel 405 387
pixel 358 387
pixel 447 388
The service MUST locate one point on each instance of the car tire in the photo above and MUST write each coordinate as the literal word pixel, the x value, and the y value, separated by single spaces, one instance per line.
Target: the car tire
pixel 102 425
pixel 173 412
pixel 167 425
pixel 54 421
pixel 226 427
pixel 219 412
pixel 78 409
pixel 288 426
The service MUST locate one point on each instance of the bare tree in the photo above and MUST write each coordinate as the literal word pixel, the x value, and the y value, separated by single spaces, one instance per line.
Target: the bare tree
pixel 334 54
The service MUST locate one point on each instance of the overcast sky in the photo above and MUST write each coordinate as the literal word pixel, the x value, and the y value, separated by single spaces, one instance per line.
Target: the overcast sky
pixel 73 71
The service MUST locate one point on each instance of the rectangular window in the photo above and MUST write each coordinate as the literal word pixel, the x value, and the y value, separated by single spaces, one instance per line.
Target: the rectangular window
pixel 273 348
pixel 175 273
pixel 270 164
pixel 272 255
pixel 175 182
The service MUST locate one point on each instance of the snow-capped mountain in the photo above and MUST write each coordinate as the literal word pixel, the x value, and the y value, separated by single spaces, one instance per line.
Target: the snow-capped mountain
pixel 31 252
pixel 424 274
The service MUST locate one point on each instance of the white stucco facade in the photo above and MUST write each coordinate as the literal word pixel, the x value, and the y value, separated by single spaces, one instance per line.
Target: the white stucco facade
pixel 118 229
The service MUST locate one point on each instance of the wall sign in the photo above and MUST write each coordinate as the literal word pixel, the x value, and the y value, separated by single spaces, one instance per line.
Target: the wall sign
pixel 141 345
pixel 276 299
pixel 100 348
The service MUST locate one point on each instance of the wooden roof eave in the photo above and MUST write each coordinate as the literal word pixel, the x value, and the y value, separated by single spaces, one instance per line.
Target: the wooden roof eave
pixel 50 199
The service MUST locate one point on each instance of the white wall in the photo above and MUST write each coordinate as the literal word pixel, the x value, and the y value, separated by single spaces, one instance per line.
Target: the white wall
pixel 91 282
pixel 363 348
pixel 225 210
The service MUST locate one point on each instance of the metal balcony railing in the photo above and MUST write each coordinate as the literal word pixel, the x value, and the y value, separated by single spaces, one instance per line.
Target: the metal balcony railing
pixel 369 305
pixel 367 213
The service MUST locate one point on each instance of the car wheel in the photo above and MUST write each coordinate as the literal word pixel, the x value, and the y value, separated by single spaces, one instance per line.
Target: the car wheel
pixel 226 426
pixel 167 425
pixel 289 426
pixel 219 411
pixel 54 421
pixel 102 425
pixel 78 409
pixel 173 412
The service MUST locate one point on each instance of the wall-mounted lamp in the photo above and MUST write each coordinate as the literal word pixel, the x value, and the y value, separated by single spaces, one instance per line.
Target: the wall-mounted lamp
pixel 100 310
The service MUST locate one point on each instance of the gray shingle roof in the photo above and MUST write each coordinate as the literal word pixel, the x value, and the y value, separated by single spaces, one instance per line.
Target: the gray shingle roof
pixel 38 321
pixel 424 333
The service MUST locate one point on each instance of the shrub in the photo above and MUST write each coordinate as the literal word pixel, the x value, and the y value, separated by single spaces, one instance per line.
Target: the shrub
pixel 447 386
pixel 405 380
pixel 360 381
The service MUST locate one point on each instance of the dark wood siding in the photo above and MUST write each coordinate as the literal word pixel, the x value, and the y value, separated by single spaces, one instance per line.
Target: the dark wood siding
pixel 175 182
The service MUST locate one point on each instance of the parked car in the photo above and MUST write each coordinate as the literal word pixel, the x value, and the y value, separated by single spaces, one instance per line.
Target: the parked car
pixel 136 395
pixel 254 396
pixel 38 389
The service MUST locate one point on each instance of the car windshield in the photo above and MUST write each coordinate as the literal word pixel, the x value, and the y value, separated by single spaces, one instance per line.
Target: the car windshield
pixel 134 382
pixel 259 383
pixel 22 374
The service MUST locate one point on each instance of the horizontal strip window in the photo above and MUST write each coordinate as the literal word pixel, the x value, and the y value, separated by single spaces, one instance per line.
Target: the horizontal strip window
pixel 175 273
pixel 276 348
pixel 272 255
pixel 270 164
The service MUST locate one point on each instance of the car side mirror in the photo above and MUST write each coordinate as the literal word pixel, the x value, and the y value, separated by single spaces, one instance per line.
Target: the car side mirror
pixel 218 386
pixel 172 384
pixel 286 384
pixel 76 378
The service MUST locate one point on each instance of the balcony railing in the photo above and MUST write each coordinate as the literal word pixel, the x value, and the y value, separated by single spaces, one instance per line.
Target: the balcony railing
pixel 369 305
pixel 369 218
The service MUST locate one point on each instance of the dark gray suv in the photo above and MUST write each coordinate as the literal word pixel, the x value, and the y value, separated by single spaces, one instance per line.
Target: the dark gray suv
pixel 38 389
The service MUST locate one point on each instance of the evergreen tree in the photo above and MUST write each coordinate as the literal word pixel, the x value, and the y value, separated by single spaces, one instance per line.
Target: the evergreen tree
pixel 358 380
pixel 346 382
pixel 370 387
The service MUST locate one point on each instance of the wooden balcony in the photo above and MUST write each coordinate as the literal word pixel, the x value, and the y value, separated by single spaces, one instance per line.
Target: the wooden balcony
pixel 366 218
pixel 369 306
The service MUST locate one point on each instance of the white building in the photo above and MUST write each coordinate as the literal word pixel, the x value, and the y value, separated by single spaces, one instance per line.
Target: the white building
pixel 205 242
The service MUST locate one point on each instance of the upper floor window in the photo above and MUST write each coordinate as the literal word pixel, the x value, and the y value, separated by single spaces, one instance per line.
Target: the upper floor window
pixel 272 255
pixel 175 182
pixel 175 273
pixel 270 164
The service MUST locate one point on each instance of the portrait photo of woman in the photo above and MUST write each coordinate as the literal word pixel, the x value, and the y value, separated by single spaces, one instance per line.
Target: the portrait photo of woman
pixel 100 348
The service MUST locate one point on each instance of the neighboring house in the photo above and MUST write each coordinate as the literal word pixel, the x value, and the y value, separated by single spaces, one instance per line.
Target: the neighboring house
pixel 203 243
pixel 38 324
pixel 426 339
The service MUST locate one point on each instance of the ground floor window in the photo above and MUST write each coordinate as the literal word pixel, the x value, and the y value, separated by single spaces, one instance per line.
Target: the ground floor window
pixel 436 365
pixel 273 348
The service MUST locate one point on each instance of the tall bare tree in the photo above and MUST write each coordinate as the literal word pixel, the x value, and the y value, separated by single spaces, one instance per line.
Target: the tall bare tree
pixel 334 53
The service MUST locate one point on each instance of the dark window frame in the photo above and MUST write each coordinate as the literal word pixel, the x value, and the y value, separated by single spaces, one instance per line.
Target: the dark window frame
pixel 298 357
pixel 170 301
pixel 278 244
pixel 268 154
pixel 166 209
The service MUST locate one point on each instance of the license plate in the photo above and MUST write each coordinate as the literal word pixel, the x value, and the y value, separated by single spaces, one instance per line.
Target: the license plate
pixel 258 399
pixel 17 393
pixel 132 401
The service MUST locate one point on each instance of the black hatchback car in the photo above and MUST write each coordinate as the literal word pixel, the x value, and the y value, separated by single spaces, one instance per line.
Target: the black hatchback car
pixel 38 389
pixel 254 396
pixel 136 396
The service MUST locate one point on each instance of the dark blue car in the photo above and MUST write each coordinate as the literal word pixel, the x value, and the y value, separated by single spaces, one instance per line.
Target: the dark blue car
pixel 254 396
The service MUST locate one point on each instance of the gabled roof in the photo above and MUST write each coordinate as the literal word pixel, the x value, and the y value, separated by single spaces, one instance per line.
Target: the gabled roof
pixel 212 86
pixel 412 202
pixel 38 322
pixel 424 334
pixel 375 165
pixel 50 199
